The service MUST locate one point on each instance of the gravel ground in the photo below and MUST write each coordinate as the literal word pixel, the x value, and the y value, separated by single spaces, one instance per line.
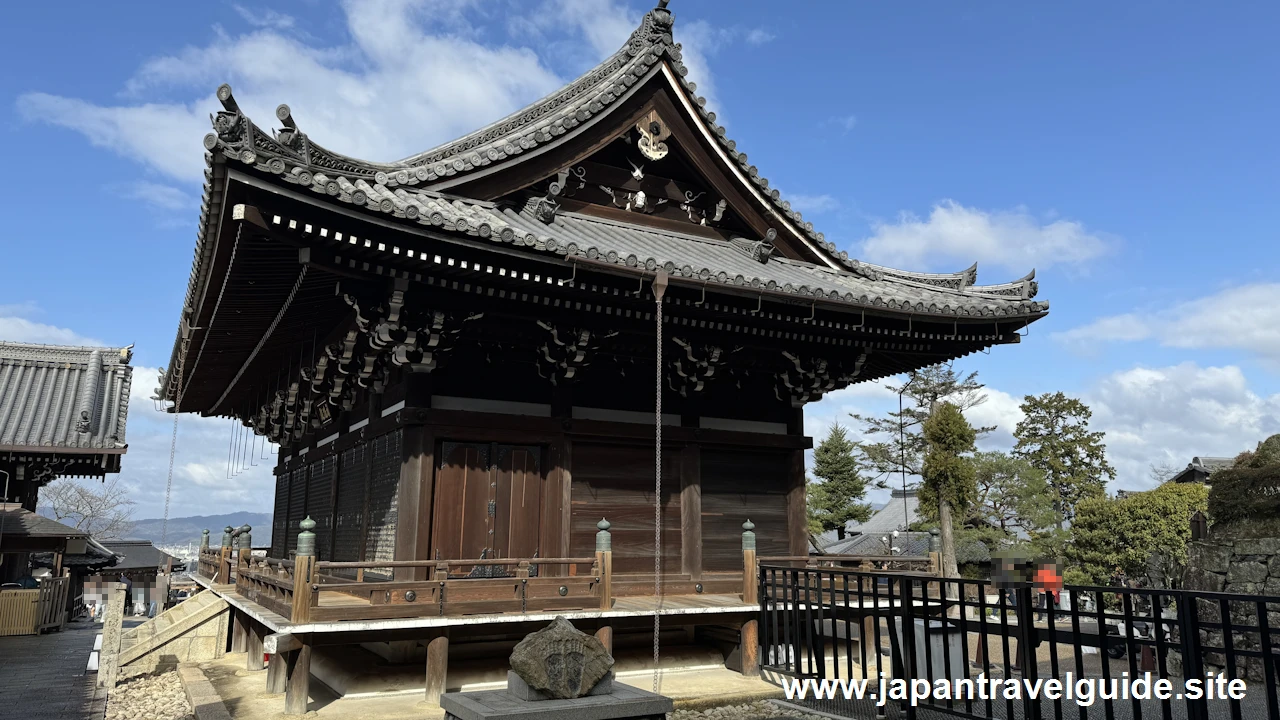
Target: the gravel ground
pixel 751 711
pixel 149 697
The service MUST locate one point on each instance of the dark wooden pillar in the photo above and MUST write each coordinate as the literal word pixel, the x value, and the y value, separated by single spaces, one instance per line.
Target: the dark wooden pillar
pixel 437 666
pixel 413 529
pixel 797 512
pixel 691 512
pixel 253 647
pixel 298 684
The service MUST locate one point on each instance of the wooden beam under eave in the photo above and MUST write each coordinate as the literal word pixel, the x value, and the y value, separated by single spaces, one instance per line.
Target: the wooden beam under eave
pixel 691 511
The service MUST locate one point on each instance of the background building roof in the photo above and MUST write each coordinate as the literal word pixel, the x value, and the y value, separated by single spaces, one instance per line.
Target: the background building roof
pixel 902 510
pixel 55 398
pixel 18 522
pixel 139 555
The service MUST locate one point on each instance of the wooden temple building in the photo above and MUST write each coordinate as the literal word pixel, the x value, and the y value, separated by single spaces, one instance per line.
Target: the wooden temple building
pixel 466 358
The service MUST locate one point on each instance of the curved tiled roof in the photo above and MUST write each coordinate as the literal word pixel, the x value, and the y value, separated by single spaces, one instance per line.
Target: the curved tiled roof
pixel 56 397
pixel 573 235
pixel 293 155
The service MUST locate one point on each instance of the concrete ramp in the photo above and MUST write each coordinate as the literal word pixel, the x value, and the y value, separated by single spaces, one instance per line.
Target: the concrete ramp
pixel 194 630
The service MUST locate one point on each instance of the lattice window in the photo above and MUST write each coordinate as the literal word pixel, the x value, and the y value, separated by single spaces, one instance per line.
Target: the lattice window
pixel 319 497
pixel 348 525
pixel 280 517
pixel 384 486
pixel 297 506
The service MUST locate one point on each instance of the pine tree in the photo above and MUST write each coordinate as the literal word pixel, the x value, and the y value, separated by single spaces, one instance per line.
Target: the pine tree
pixel 1054 437
pixel 899 444
pixel 837 499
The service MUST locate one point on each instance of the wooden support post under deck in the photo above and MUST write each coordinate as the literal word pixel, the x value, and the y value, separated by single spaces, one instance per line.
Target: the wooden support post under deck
pixel 239 631
pixel 691 512
pixel 298 685
pixel 277 672
pixel 604 634
pixel 750 642
pixel 437 667
pixel 253 648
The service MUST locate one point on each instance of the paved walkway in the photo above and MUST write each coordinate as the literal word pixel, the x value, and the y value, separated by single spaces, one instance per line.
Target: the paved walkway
pixel 43 677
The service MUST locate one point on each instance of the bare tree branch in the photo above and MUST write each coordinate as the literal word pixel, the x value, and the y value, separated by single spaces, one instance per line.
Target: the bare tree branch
pixel 104 511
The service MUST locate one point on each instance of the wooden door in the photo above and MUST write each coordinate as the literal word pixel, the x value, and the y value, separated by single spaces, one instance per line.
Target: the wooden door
pixel 518 507
pixel 461 522
pixel 488 501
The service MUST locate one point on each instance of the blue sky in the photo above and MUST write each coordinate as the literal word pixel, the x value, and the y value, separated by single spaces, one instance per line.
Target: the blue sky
pixel 1127 151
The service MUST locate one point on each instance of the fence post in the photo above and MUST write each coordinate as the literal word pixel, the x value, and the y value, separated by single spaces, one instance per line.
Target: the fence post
pixel 749 634
pixel 1028 641
pixel 604 557
pixel 224 563
pixel 303 564
pixel 1189 639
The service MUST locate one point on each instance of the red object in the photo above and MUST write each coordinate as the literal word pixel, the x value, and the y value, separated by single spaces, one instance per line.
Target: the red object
pixel 1049 580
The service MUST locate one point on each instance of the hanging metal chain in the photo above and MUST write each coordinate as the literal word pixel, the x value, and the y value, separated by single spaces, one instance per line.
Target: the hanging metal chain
pixel 657 501
pixel 173 441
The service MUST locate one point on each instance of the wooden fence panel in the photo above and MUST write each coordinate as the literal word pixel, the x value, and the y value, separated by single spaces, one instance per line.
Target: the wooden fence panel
pixel 19 612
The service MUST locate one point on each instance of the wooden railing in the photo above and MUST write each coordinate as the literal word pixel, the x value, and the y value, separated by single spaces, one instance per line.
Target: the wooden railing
pixel 927 564
pixel 28 612
pixel 309 590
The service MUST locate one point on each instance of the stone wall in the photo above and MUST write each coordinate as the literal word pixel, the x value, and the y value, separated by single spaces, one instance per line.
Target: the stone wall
pixel 1236 559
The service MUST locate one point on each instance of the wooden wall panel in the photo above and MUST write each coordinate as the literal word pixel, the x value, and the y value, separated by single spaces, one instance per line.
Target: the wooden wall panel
pixel 736 486
pixel 616 482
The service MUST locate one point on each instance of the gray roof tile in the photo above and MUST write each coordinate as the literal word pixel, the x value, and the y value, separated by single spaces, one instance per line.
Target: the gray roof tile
pixel 54 397
pixel 19 522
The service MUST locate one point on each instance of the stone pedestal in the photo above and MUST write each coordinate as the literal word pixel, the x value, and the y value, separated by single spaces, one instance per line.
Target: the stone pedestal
pixel 623 702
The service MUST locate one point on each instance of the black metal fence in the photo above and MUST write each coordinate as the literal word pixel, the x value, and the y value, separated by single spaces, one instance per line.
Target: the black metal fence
pixel 1194 655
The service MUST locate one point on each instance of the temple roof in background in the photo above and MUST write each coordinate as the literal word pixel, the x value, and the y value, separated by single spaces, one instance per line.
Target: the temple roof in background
pixel 62 400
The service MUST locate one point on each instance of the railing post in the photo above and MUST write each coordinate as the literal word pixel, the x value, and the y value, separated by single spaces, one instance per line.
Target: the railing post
pixel 224 561
pixel 604 558
pixel 749 633
pixel 204 540
pixel 303 565
pixel 749 586
pixel 246 544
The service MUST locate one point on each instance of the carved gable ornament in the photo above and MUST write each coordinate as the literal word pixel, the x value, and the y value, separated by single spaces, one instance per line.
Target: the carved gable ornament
pixel 653 131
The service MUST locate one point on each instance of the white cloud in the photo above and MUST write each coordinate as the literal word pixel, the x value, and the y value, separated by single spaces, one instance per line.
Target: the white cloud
pixel 759 36
pixel 813 203
pixel 959 235
pixel 846 123
pixel 16 328
pixel 159 196
pixel 1246 318
pixel 402 84
pixel 1170 414
pixel 264 18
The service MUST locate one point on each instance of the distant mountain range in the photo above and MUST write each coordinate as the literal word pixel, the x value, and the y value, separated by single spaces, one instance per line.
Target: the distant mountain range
pixel 188 529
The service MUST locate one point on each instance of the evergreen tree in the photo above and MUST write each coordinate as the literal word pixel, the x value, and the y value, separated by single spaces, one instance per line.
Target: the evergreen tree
pixel 1054 437
pixel 899 444
pixel 947 476
pixel 837 499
